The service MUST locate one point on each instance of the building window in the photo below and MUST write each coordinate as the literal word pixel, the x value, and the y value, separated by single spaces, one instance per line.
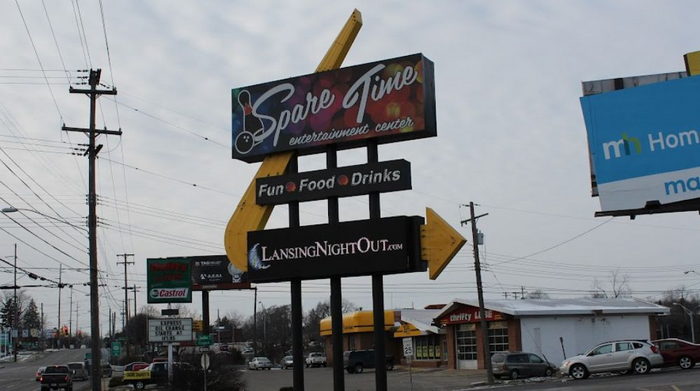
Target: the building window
pixel 498 337
pixel 466 341
pixel 427 347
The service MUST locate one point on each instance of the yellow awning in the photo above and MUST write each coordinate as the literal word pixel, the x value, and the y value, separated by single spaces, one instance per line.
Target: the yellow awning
pixel 358 322
pixel 408 330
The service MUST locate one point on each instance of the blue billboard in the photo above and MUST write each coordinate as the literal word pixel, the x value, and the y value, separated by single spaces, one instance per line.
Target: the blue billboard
pixel 644 144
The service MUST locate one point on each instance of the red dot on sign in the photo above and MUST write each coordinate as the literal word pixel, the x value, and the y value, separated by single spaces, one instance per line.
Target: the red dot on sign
pixel 291 187
pixel 343 180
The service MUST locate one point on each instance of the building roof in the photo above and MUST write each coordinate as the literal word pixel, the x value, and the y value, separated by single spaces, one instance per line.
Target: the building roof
pixel 420 319
pixel 579 306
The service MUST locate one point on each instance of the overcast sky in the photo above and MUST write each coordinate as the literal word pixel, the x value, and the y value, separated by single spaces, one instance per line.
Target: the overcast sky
pixel 511 138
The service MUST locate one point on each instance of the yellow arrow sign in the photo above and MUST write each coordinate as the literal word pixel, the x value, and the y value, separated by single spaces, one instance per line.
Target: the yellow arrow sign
pixel 249 216
pixel 692 63
pixel 439 243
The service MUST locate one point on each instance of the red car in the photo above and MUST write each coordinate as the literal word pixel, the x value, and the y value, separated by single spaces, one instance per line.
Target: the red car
pixel 678 352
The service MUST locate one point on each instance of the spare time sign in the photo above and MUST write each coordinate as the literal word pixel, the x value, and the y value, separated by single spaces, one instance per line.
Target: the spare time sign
pixel 390 100
pixel 388 245
pixel 169 280
pixel 170 330
pixel 347 181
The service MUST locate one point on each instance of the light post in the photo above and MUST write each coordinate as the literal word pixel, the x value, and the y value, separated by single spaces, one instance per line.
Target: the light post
pixel 264 324
pixel 690 314
pixel 12 209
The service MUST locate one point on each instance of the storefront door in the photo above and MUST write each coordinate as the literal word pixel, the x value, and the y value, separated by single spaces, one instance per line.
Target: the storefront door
pixel 465 340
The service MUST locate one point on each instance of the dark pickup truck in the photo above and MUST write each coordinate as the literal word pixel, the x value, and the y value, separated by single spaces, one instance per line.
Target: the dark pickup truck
pixel 56 377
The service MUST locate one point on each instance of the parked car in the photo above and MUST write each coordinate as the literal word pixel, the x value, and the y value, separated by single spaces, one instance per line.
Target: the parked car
pixel 315 359
pixel 520 364
pixel 678 352
pixel 636 355
pixel 355 361
pixel 79 370
pixel 260 363
pixel 39 372
pixel 287 362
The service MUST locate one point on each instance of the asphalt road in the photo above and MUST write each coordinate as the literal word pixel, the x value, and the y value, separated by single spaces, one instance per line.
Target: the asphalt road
pixel 20 376
pixel 670 379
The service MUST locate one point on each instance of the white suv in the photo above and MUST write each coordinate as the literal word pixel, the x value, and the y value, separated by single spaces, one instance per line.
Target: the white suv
pixel 636 355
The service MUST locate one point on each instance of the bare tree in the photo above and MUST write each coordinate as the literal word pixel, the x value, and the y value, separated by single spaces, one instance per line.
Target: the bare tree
pixel 618 286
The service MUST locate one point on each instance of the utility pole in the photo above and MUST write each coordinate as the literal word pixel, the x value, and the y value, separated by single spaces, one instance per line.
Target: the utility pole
pixel 70 315
pixel 93 93
pixel 135 290
pixel 126 285
pixel 60 286
pixel 480 292
pixel 41 338
pixel 15 318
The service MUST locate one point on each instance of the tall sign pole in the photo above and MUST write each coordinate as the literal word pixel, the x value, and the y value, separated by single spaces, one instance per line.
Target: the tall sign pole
pixel 16 314
pixel 93 93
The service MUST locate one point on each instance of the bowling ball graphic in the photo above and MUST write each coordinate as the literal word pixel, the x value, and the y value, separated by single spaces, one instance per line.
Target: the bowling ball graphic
pixel 244 142
pixel 343 180
pixel 291 187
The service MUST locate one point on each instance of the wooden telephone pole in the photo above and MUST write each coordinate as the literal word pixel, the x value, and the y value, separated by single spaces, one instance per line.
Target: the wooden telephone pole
pixel 93 93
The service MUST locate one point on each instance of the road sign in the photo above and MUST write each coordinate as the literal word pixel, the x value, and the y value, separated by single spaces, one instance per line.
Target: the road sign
pixel 407 347
pixel 116 349
pixel 170 330
pixel 439 243
pixel 204 340
pixel 205 361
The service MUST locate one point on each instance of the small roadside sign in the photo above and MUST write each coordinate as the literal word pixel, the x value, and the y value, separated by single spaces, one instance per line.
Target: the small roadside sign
pixel 116 349
pixel 408 347
pixel 204 340
pixel 205 361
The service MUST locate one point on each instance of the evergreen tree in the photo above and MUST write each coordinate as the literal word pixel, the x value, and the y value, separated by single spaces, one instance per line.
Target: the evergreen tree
pixel 7 312
pixel 31 318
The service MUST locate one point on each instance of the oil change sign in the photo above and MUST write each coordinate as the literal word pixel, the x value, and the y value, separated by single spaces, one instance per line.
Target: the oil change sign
pixel 388 245
pixel 348 181
pixel 170 330
pixel 169 280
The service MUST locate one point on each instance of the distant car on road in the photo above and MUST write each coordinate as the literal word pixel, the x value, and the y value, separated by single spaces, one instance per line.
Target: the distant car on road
pixel 636 355
pixel 520 364
pixel 260 363
pixel 39 372
pixel 678 352
pixel 79 370
pixel 56 377
pixel 315 359
pixel 287 362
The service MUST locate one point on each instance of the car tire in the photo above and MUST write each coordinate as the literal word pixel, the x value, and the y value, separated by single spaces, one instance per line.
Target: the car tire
pixel 548 372
pixel 358 368
pixel 139 385
pixel 578 371
pixel 685 362
pixel 514 374
pixel 390 366
pixel 350 370
pixel 641 366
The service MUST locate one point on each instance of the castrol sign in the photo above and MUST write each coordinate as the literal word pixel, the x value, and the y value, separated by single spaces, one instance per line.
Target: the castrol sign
pixel 169 280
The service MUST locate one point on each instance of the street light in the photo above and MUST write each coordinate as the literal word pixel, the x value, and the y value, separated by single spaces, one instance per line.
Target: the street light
pixel 12 209
pixel 690 314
